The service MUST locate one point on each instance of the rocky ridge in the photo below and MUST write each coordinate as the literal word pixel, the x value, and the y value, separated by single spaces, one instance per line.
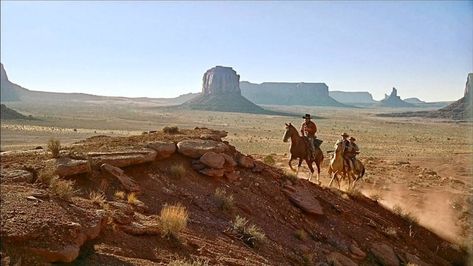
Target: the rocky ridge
pixel 303 223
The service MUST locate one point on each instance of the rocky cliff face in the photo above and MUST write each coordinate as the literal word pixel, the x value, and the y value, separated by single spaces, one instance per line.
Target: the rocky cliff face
pixel 221 80
pixel 393 100
pixel 288 93
pixel 8 90
pixel 221 92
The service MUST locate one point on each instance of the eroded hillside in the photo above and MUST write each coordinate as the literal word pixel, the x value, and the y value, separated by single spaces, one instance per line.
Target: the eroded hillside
pixel 122 184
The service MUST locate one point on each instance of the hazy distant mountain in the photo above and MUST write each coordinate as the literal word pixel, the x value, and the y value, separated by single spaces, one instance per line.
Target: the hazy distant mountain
pixel 288 93
pixel 414 100
pixel 459 110
pixel 353 97
pixel 393 100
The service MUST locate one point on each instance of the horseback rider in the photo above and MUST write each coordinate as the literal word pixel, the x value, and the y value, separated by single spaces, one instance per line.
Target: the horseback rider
pixel 352 151
pixel 346 153
pixel 308 130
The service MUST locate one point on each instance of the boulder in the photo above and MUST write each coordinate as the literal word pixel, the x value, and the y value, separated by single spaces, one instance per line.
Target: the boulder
pixel 212 172
pixel 127 182
pixel 213 160
pixel 164 149
pixel 66 166
pixel 356 251
pixel 195 148
pixel 229 161
pixel 384 254
pixel 123 158
pixel 337 259
pixel 54 236
pixel 302 198
pixel 246 162
pixel 197 165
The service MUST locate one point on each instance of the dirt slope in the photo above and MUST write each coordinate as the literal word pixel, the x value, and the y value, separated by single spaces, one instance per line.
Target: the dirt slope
pixel 304 224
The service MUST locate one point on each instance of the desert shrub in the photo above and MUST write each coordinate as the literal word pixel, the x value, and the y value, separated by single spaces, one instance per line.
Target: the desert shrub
pixel 47 174
pixel 64 189
pixel 120 195
pixel 250 234
pixel 300 234
pixel 171 130
pixel 268 159
pixel 193 262
pixel 224 201
pixel 172 220
pixel 54 146
pixel 177 170
pixel 97 198
pixel 397 210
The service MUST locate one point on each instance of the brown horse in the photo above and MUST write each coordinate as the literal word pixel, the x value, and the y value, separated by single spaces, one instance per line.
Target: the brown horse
pixel 300 150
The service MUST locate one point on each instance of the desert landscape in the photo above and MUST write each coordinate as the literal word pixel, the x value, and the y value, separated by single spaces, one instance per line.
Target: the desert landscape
pixel 189 163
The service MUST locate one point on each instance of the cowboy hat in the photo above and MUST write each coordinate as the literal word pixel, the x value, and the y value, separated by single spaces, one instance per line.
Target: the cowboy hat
pixel 306 116
pixel 352 138
pixel 345 135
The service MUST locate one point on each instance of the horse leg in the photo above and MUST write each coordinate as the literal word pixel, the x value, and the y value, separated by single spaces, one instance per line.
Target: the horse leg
pixel 318 172
pixel 299 166
pixel 309 164
pixel 290 165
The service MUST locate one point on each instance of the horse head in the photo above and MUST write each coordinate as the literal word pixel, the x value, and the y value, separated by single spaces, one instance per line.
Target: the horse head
pixel 340 146
pixel 289 131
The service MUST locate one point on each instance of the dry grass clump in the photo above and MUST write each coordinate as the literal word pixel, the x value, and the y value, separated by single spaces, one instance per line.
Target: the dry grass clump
pixel 133 199
pixel 301 234
pixel 97 198
pixel 47 174
pixel 171 130
pixel 193 262
pixel 64 189
pixel 177 170
pixel 269 160
pixel 54 146
pixel 250 234
pixel 172 220
pixel 390 231
pixel 120 195
pixel 224 201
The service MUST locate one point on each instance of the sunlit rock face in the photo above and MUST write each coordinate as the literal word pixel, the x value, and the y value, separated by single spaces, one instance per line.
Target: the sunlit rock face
pixel 221 80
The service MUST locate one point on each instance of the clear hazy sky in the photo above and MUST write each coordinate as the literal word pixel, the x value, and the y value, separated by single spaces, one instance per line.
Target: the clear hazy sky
pixel 162 49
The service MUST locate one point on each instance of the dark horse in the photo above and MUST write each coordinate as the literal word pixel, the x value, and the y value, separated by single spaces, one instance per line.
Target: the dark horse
pixel 299 150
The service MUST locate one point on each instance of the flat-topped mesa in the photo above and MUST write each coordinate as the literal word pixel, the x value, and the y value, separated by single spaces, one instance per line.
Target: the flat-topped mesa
pixel 221 80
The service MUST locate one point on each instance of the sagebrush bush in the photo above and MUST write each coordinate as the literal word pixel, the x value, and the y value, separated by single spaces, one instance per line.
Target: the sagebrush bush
pixel 171 130
pixel 172 220
pixel 250 234
pixel 54 146
pixel 177 170
pixel 224 201
pixel 409 217
pixel 64 189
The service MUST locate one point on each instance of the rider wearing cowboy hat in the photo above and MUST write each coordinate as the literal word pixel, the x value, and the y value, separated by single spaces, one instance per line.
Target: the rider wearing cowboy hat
pixel 308 130
pixel 346 152
pixel 352 150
